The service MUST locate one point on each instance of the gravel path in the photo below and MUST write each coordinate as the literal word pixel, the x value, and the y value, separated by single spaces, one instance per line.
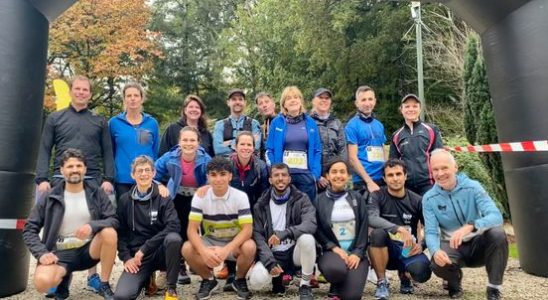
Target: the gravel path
pixel 517 285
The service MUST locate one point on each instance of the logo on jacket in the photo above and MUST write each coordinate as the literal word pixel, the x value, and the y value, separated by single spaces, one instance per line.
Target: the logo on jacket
pixel 442 207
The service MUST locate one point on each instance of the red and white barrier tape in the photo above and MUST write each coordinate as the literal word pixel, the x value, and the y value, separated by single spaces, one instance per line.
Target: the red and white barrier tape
pixel 528 146
pixel 17 224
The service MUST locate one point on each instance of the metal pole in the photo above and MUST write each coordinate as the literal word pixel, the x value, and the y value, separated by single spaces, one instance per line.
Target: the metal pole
pixel 416 15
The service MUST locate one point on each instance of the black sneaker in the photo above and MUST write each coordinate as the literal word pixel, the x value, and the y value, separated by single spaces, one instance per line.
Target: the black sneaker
pixel 240 286
pixel 228 284
pixel 333 291
pixel 493 293
pixel 406 286
pixel 105 291
pixel 183 277
pixel 278 287
pixel 305 292
pixel 455 293
pixel 207 287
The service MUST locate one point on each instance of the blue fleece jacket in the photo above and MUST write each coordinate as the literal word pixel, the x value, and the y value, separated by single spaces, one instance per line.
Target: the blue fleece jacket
pixel 169 166
pixel 129 141
pixel 276 140
pixel 446 211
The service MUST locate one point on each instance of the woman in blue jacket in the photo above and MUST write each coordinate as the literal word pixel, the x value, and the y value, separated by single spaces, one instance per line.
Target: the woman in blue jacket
pixel 133 133
pixel 184 170
pixel 294 140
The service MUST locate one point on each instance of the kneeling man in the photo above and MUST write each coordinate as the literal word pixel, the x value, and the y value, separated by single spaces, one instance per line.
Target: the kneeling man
pixel 283 228
pixel 149 237
pixel 463 227
pixel 78 223
pixel 394 213
pixel 225 217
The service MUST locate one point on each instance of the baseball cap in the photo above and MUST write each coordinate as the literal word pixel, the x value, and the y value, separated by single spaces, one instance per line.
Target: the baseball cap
pixel 320 91
pixel 410 96
pixel 235 91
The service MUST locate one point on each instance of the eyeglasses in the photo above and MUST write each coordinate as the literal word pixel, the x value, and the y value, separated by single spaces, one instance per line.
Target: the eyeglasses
pixel 146 171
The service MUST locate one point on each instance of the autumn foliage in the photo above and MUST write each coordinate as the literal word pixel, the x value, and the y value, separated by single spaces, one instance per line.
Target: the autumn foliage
pixel 105 40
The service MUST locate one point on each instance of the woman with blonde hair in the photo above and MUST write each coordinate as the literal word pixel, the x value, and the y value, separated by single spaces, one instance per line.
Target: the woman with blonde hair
pixel 193 114
pixel 294 140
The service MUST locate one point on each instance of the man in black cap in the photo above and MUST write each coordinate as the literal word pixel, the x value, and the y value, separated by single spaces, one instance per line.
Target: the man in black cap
pixel 413 143
pixel 331 131
pixel 227 129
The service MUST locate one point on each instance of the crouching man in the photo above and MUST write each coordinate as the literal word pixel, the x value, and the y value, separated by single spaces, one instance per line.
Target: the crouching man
pixel 149 237
pixel 463 227
pixel 284 227
pixel 78 223
pixel 225 217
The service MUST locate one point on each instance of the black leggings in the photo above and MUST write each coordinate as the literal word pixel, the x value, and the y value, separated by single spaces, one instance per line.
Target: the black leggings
pixel 350 283
pixel 182 206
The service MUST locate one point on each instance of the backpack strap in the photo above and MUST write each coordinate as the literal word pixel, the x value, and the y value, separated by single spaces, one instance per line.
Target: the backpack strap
pixel 227 130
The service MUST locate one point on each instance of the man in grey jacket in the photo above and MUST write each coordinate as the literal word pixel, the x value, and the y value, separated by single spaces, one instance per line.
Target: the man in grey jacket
pixel 284 223
pixel 78 223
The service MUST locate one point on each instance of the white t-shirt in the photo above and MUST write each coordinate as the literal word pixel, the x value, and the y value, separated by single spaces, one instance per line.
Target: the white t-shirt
pixel 278 214
pixel 76 215
pixel 344 222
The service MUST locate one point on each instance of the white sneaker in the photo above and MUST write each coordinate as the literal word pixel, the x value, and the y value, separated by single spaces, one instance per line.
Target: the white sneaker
pixel 372 276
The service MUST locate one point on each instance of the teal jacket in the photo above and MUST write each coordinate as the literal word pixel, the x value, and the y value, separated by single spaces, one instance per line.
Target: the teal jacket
pixel 446 211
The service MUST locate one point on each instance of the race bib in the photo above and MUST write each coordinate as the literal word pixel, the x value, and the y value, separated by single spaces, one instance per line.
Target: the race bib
pixel 71 242
pixel 223 233
pixel 397 236
pixel 375 153
pixel 345 231
pixel 296 159
pixel 186 191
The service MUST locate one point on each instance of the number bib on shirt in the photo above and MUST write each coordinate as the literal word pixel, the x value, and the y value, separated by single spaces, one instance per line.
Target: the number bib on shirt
pixel 223 233
pixel 375 153
pixel 296 159
pixel 71 242
pixel 345 231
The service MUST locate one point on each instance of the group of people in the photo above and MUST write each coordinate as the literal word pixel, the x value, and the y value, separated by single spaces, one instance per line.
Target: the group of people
pixel 266 200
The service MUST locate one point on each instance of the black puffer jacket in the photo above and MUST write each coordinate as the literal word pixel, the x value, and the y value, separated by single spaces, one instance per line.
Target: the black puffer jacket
pixel 49 211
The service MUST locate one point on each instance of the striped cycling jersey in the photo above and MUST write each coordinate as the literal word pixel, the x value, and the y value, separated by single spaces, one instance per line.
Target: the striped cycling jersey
pixel 221 217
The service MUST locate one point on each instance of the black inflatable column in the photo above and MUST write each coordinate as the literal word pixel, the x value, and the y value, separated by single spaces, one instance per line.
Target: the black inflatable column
pixel 514 36
pixel 23 49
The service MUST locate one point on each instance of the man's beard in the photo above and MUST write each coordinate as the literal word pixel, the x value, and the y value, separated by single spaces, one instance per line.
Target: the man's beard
pixel 74 178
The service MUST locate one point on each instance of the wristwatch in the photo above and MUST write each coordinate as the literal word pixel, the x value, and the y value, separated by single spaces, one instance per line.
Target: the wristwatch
pixel 473 225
